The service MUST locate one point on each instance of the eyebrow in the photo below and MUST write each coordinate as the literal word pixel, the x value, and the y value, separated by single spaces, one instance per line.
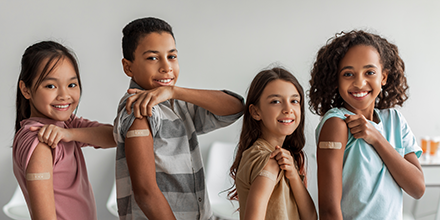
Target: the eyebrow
pixel 155 51
pixel 55 79
pixel 277 95
pixel 364 67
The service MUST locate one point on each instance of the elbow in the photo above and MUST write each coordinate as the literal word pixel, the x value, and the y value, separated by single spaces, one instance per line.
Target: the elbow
pixel 419 192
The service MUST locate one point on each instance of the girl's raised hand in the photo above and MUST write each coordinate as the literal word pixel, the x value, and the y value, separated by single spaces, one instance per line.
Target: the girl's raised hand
pixel 285 161
pixel 360 127
pixel 52 134
pixel 144 100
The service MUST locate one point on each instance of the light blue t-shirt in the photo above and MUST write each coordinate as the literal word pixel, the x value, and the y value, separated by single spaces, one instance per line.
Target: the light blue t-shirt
pixel 368 189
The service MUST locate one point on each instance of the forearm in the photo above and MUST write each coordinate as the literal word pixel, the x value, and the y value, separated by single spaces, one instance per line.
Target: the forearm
pixel 154 205
pixel 214 101
pixel 101 136
pixel 407 174
pixel 305 204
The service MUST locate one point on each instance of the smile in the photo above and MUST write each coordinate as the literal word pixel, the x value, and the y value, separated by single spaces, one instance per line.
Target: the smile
pixel 164 80
pixel 61 106
pixel 359 94
pixel 286 121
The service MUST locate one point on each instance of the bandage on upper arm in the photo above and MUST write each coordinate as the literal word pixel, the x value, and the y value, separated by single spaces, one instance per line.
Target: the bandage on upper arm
pixel 330 145
pixel 37 176
pixel 138 133
pixel 268 174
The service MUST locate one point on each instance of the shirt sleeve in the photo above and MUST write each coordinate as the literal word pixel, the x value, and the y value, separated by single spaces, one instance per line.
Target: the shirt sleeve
pixel 408 139
pixel 25 143
pixel 205 121
pixel 256 160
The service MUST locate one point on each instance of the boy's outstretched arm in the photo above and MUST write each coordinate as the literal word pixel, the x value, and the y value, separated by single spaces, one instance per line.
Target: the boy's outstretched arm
pixel 215 101
pixel 330 161
pixel 101 136
pixel 140 157
pixel 406 170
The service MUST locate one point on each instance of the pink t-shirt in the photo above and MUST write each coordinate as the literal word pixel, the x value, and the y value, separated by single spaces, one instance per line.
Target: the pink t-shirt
pixel 73 193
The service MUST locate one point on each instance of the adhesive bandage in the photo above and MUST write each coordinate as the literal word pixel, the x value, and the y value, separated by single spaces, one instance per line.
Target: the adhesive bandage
pixel 37 176
pixel 138 133
pixel 268 174
pixel 330 145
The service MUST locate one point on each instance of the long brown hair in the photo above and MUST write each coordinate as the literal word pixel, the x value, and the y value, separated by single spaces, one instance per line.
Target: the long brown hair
pixel 44 55
pixel 323 92
pixel 251 130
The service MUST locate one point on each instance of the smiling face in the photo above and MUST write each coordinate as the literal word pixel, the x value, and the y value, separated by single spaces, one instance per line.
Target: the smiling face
pixel 278 111
pixel 360 79
pixel 155 61
pixel 57 96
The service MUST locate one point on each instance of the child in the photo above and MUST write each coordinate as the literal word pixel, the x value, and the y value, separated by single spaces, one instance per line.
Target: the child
pixel 366 151
pixel 269 167
pixel 54 181
pixel 159 168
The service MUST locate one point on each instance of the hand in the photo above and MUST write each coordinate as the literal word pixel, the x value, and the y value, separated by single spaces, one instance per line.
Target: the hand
pixel 285 161
pixel 52 134
pixel 144 100
pixel 360 127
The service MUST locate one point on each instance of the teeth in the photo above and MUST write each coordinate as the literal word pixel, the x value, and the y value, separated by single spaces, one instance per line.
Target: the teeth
pixel 61 106
pixel 286 121
pixel 360 94
pixel 164 80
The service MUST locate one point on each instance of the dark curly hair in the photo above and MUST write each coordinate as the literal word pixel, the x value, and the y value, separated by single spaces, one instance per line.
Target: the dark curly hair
pixel 323 91
pixel 251 130
pixel 139 28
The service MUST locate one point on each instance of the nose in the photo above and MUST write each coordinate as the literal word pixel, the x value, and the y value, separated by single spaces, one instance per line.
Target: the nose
pixel 359 82
pixel 63 94
pixel 165 66
pixel 287 109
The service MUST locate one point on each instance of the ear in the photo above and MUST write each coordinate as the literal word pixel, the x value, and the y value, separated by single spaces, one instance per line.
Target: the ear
pixel 24 90
pixel 384 77
pixel 254 112
pixel 126 65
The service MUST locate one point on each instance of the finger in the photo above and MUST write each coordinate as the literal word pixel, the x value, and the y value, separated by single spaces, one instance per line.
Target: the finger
pixel 275 152
pixel 129 103
pixel 133 90
pixel 145 104
pixel 34 128
pixel 56 141
pixel 42 134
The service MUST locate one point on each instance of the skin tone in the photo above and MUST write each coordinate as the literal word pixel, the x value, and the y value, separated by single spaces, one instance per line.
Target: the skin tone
pixel 155 68
pixel 361 76
pixel 279 113
pixel 55 98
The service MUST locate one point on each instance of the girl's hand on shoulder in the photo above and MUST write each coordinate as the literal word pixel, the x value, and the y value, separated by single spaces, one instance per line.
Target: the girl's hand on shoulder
pixel 52 134
pixel 144 100
pixel 360 127
pixel 285 161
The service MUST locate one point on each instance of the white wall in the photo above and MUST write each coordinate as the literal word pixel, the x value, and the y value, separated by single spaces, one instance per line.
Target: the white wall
pixel 222 44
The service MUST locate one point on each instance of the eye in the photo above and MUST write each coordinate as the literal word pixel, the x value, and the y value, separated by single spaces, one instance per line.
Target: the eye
pixel 275 102
pixel 347 74
pixel 295 101
pixel 72 85
pixel 172 57
pixel 152 58
pixel 370 73
pixel 50 86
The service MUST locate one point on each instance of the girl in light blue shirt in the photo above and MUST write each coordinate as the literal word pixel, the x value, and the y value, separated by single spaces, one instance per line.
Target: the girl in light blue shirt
pixel 366 151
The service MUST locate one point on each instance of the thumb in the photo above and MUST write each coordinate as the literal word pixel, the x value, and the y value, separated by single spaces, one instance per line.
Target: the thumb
pixel 275 152
pixel 34 128
pixel 132 91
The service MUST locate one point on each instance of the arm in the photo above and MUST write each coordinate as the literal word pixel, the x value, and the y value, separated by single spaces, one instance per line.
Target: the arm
pixel 330 169
pixel 101 136
pixel 41 194
pixel 306 207
pixel 406 170
pixel 259 193
pixel 141 165
pixel 215 101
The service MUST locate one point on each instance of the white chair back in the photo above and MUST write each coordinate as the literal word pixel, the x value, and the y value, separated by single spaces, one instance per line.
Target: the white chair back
pixel 17 208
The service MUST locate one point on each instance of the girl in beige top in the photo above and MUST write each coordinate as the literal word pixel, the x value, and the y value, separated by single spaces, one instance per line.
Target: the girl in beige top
pixel 269 166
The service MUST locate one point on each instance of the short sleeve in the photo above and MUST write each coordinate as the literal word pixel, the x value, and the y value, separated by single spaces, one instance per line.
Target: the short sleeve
pixel 408 139
pixel 25 143
pixel 256 160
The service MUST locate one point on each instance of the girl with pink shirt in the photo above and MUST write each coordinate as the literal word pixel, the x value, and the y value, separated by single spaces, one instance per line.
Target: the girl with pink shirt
pixel 47 158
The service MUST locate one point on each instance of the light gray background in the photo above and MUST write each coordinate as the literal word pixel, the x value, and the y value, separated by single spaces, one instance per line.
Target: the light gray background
pixel 222 45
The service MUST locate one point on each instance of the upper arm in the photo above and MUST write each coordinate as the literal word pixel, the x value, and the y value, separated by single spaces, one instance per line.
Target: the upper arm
pixel 139 153
pixel 330 163
pixel 41 193
pixel 260 192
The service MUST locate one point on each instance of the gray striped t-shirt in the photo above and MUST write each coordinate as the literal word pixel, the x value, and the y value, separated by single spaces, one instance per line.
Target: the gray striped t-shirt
pixel 179 166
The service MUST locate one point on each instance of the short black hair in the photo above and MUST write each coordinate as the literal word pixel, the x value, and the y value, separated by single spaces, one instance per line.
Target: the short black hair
pixel 138 28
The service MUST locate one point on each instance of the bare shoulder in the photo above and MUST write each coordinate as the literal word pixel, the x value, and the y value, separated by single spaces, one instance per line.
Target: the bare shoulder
pixel 334 129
